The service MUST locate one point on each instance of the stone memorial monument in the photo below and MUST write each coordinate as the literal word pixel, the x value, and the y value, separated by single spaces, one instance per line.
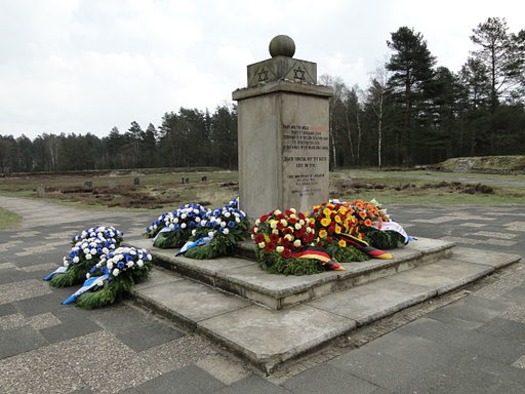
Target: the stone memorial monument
pixel 283 121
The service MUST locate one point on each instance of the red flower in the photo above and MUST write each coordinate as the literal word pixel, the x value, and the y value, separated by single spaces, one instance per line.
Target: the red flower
pixel 264 218
pixel 259 238
pixel 274 237
pixel 287 253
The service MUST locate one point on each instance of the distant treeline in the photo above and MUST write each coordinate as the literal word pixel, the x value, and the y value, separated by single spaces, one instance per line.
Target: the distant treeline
pixel 413 112
pixel 188 138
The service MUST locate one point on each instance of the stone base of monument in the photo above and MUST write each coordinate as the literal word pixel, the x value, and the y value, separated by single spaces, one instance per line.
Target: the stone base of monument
pixel 270 320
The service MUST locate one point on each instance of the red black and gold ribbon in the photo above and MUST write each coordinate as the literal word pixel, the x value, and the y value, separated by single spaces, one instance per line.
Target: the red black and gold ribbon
pixel 321 255
pixel 365 247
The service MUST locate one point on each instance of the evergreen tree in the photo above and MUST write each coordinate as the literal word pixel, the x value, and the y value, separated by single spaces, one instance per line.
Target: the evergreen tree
pixel 410 82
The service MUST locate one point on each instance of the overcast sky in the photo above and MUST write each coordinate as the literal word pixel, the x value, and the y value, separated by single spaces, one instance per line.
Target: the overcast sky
pixel 79 66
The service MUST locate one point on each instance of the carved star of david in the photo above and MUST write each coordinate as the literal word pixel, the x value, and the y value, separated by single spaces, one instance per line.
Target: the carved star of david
pixel 298 73
pixel 263 75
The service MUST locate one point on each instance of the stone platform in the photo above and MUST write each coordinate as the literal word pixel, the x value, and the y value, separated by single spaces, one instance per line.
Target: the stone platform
pixel 269 320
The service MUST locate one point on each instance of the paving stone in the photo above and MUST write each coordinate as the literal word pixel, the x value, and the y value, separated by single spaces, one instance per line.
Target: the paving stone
pixel 146 336
pixel 517 294
pixel 468 374
pixel 503 328
pixel 329 379
pixel 18 340
pixel 425 354
pixel 7 309
pixel 497 348
pixel 190 380
pixel 74 324
pixel 469 313
pixel 41 304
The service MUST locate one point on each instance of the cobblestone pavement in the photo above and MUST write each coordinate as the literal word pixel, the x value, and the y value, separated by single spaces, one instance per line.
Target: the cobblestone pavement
pixel 473 345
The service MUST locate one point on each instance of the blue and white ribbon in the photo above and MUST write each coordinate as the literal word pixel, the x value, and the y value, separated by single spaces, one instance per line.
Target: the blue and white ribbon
pixel 88 285
pixel 59 270
pixel 164 230
pixel 191 244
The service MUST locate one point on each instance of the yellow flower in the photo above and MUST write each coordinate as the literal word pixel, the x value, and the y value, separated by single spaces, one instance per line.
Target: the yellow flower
pixel 327 212
pixel 342 243
pixel 338 229
pixel 323 233
pixel 325 222
pixel 338 219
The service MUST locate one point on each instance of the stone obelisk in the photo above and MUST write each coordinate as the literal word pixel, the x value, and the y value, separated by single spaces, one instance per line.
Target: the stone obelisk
pixel 283 136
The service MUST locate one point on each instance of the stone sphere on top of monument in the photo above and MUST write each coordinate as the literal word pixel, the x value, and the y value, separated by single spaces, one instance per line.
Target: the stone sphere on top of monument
pixel 282 45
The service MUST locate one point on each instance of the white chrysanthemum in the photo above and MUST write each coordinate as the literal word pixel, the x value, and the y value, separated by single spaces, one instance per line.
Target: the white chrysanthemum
pixel 297 243
pixel 226 230
pixel 183 225
pixel 183 216
pixel 252 236
pixel 237 220
pixel 289 237
pixel 255 230
pixel 261 245
pixel 130 264
pixel 140 263
pixel 257 222
pixel 93 251
pixel 85 250
pixel 76 259
pixel 227 214
pixel 115 272
pixel 109 265
pixel 284 222
pixel 298 226
pixel 105 250
pixel 88 257
pixel 223 224
pixel 280 249
pixel 273 224
pixel 277 212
